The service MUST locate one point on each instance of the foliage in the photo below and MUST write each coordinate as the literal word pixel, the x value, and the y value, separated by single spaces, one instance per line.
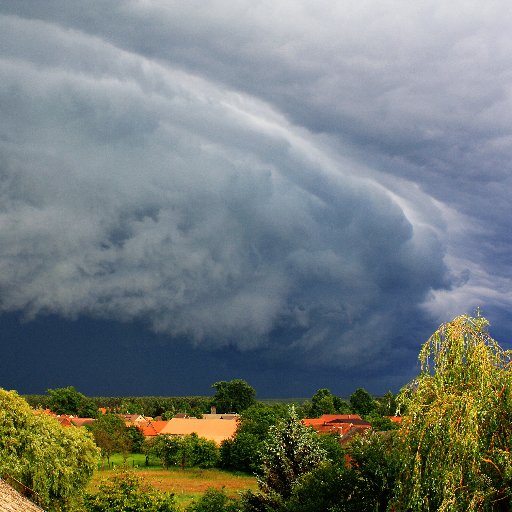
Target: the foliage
pixel 136 438
pixel 186 451
pixel 290 451
pixel 380 423
pixel 324 402
pixel 166 407
pixel 375 459
pixel 70 401
pixel 333 449
pixel 126 492
pixel 366 483
pixel 111 435
pixel 242 452
pixel 328 488
pixel 387 405
pixel 362 402
pixel 233 396
pixel 456 438
pixel 214 500
pixel 35 449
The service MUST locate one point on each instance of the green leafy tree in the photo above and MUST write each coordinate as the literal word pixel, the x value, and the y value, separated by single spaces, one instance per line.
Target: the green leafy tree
pixel 380 423
pixel 70 401
pixel 456 438
pixel 186 451
pixel 324 402
pixel 111 435
pixel 136 438
pixel 366 484
pixel 242 452
pixel 54 461
pixel 327 488
pixel 233 396
pixel 362 402
pixel 126 492
pixel 290 451
pixel 387 405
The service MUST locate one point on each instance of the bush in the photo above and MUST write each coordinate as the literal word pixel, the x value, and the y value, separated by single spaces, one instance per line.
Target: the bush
pixel 126 492
pixel 214 501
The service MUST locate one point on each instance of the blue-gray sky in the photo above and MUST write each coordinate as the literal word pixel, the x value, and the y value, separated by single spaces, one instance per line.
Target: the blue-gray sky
pixel 294 193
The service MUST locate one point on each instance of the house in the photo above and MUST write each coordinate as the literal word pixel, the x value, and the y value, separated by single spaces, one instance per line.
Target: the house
pixel 345 425
pixel 12 500
pixel 215 416
pixel 133 419
pixel 215 430
pixel 152 428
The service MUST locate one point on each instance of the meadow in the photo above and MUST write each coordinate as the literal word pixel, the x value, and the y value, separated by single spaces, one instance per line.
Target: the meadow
pixel 186 484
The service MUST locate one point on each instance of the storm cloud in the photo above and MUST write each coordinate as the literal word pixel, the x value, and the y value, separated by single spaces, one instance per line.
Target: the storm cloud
pixel 321 183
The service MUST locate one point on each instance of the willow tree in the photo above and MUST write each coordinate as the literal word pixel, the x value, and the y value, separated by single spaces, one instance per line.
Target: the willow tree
pixel 55 462
pixel 457 436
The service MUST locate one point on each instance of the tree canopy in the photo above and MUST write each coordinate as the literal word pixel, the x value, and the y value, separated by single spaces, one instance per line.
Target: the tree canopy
pixel 290 451
pixel 362 402
pixel 69 401
pixel 233 396
pixel 456 438
pixel 35 449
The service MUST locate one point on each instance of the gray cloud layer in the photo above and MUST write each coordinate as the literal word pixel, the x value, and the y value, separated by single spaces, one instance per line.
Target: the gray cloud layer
pixel 312 179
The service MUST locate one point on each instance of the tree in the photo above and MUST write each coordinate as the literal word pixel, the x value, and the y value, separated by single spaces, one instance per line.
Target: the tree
pixel 186 451
pixel 233 396
pixel 242 452
pixel 366 484
pixel 456 438
pixel 54 461
pixel 324 402
pixel 70 401
pixel 111 435
pixel 126 492
pixel 380 423
pixel 362 402
pixel 387 405
pixel 290 451
pixel 136 438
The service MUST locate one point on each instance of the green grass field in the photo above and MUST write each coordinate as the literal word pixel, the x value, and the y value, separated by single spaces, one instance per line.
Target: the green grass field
pixel 186 484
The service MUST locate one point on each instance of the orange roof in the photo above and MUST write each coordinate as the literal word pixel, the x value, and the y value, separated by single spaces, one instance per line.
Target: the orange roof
pixel 341 424
pixel 339 417
pixel 159 425
pixel 214 430
pixel 152 428
pixel 395 419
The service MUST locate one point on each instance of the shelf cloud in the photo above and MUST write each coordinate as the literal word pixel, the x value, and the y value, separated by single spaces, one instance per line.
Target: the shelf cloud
pixel 319 183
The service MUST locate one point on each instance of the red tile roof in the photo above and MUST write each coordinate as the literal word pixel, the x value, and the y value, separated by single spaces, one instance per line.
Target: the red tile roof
pixel 152 428
pixel 345 425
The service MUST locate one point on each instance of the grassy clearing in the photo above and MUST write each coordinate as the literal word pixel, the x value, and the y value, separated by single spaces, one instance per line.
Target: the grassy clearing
pixel 186 484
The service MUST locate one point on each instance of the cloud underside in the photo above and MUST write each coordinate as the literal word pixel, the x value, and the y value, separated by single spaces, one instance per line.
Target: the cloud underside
pixel 142 186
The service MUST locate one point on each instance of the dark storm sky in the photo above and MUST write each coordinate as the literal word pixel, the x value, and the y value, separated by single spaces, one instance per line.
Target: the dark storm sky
pixel 293 193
